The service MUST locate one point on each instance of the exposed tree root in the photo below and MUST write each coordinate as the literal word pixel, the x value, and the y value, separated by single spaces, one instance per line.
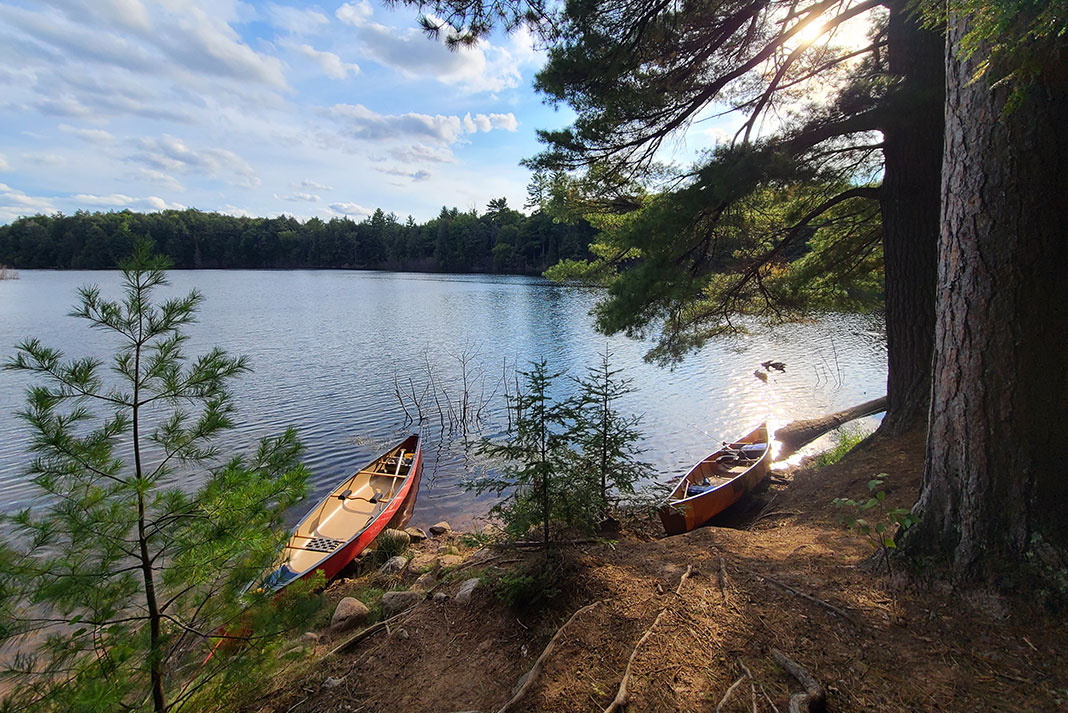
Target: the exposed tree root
pixel 728 694
pixel 536 668
pixel 623 693
pixel 813 700
pixel 830 607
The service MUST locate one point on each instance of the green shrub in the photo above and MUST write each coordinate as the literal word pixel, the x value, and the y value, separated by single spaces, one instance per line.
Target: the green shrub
pixel 846 440
pixel 879 524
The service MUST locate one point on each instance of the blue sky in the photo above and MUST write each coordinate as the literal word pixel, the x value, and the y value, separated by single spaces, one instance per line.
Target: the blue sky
pixel 260 108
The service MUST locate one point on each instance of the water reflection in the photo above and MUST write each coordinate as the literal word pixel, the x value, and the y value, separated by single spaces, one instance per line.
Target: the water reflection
pixel 325 347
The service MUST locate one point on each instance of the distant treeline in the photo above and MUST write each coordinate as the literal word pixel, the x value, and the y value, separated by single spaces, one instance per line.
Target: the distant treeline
pixel 500 240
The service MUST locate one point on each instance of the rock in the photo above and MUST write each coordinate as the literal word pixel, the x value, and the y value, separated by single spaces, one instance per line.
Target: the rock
pixel 423 562
pixel 440 529
pixel 480 556
pixel 467 589
pixel 393 540
pixel 396 602
pixel 426 582
pixel 350 612
pixel 416 534
pixel 310 637
pixel 394 565
pixel 440 597
pixel 450 561
pixel 332 682
pixel 401 634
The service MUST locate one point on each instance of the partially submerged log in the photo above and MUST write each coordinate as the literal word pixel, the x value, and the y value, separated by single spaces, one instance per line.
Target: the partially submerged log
pixel 793 436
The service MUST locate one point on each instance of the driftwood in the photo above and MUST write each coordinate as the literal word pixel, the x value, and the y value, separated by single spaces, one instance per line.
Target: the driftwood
pixel 793 436
pixel 623 693
pixel 813 700
pixel 536 668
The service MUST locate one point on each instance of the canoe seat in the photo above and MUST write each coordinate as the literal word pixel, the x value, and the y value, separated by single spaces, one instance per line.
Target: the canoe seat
pixel 323 544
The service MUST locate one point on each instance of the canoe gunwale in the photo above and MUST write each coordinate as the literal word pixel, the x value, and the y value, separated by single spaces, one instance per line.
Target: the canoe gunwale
pixel 392 507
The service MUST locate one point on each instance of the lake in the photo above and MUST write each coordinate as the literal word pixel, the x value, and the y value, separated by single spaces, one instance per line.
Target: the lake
pixel 331 349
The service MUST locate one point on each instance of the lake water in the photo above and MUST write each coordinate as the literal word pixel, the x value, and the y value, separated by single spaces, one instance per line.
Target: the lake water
pixel 330 348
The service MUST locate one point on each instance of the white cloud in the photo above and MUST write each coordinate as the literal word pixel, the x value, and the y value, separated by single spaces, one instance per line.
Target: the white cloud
pixel 4 165
pixel 15 203
pixel 233 210
pixel 420 175
pixel 480 68
pixel 351 209
pixel 418 153
pixel 363 123
pixel 161 178
pixel 313 185
pixel 298 197
pixel 119 200
pixel 295 20
pixel 113 199
pixel 330 63
pixel 170 153
pixel 93 136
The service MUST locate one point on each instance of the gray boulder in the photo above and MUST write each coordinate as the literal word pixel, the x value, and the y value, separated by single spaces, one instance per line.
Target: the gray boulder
pixel 440 528
pixel 350 612
pixel 396 602
pixel 393 540
pixel 415 533
pixel 467 590
pixel 394 565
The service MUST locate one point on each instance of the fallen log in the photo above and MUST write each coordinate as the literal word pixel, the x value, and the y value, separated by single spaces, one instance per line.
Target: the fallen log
pixel 797 434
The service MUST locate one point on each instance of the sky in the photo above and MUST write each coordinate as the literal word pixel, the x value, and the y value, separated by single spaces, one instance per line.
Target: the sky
pixel 328 109
pixel 258 108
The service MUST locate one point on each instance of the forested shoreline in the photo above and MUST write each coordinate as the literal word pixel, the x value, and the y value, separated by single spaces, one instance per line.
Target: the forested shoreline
pixel 500 240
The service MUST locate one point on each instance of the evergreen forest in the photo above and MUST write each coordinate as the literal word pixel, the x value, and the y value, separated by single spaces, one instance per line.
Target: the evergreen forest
pixel 500 240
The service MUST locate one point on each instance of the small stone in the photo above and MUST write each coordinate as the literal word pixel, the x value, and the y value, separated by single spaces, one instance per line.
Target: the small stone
pixel 311 637
pixel 416 534
pixel 467 589
pixel 440 597
pixel 394 565
pixel 401 634
pixel 350 612
pixel 332 682
pixel 426 582
pixel 440 528
pixel 395 540
pixel 480 556
pixel 396 602
pixel 450 561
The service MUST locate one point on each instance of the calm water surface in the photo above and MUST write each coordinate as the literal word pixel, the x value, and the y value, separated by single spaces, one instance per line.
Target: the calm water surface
pixel 330 348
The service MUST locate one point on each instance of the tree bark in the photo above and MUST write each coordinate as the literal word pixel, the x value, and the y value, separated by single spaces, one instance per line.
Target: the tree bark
pixel 994 491
pixel 910 198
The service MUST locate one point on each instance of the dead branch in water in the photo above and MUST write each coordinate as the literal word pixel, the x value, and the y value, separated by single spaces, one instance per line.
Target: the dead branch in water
pixel 623 694
pixel 536 668
pixel 797 434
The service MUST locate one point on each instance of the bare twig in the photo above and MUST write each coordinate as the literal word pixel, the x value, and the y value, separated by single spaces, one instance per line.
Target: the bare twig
pixel 830 607
pixel 536 668
pixel 728 694
pixel 623 693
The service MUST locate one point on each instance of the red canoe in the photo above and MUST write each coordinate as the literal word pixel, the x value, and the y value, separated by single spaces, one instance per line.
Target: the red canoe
pixel 717 482
pixel 352 515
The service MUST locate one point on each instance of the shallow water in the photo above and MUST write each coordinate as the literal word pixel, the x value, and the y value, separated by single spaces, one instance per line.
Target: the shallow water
pixel 330 348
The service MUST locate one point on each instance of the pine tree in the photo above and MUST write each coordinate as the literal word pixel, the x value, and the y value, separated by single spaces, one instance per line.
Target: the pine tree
pixel 535 456
pixel 122 574
pixel 607 440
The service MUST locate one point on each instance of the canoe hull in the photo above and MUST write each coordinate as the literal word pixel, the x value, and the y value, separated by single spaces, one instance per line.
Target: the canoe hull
pixel 682 514
pixel 354 532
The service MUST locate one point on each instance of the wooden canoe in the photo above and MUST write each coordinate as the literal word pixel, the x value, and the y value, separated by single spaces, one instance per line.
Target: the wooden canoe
pixel 380 495
pixel 717 482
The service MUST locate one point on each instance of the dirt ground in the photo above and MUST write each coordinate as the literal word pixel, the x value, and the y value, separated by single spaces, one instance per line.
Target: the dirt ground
pixel 779 572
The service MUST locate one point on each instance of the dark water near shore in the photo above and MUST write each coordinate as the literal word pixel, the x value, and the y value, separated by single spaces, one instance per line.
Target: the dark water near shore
pixel 329 348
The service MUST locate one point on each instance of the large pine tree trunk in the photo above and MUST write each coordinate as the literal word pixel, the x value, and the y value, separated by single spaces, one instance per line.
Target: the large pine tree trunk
pixel 995 484
pixel 910 191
